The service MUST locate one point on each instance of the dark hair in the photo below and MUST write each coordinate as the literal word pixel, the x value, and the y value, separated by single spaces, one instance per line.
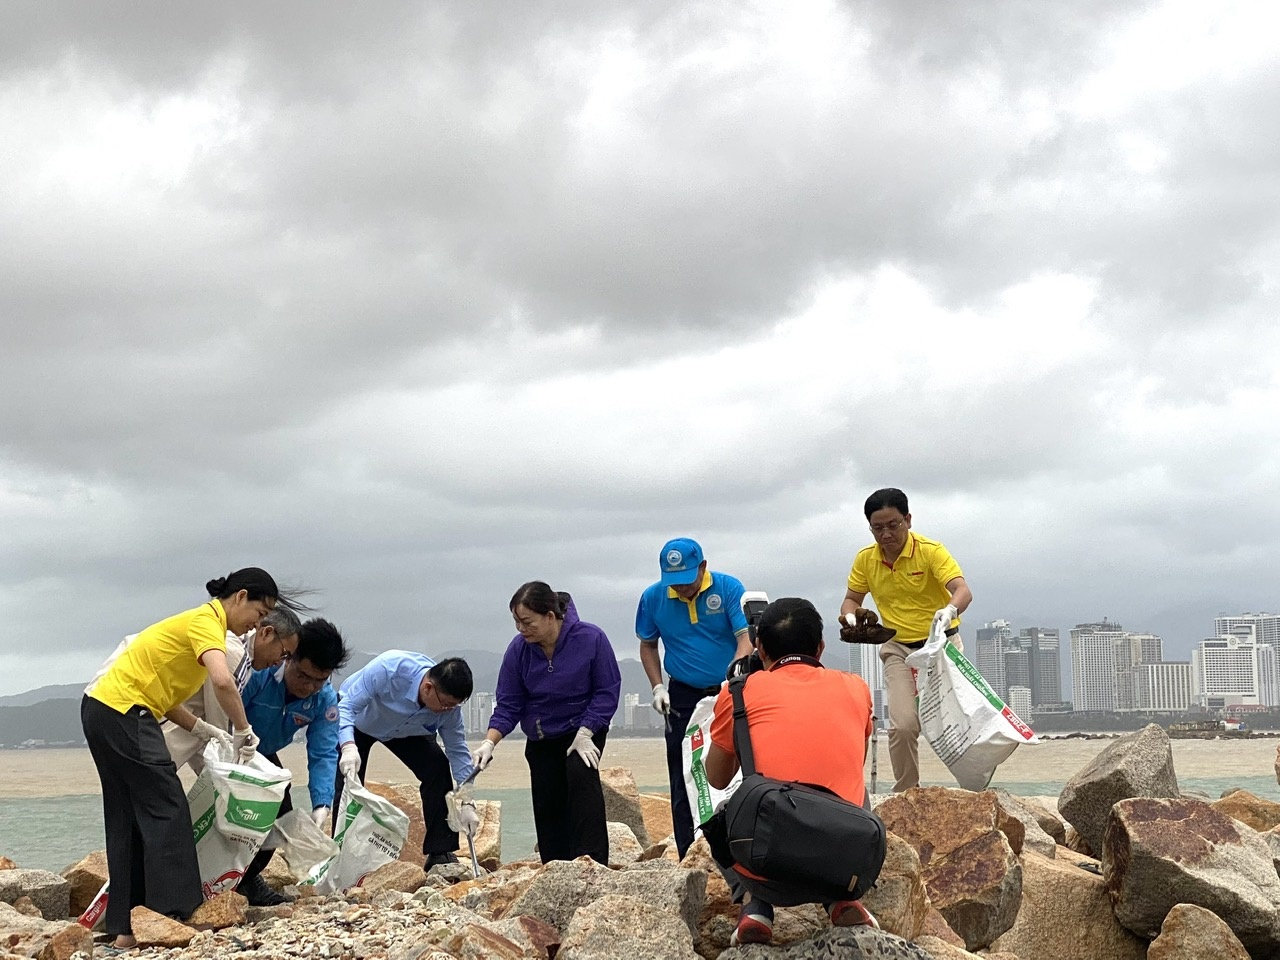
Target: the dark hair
pixel 540 598
pixel 453 676
pixel 260 586
pixel 886 497
pixel 320 643
pixel 789 625
pixel 283 620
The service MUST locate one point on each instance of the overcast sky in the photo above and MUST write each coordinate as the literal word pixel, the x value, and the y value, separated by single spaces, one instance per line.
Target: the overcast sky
pixel 411 303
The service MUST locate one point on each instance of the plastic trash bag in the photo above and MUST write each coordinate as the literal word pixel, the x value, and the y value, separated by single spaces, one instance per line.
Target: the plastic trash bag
pixel 371 832
pixel 704 799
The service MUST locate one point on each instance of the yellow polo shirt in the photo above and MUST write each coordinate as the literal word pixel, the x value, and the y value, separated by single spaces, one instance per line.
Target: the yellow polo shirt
pixel 909 591
pixel 162 668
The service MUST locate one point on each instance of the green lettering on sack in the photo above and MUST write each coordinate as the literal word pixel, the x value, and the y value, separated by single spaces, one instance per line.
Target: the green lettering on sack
pixel 245 778
pixel 973 676
pixel 382 823
pixel 203 823
pixel 256 815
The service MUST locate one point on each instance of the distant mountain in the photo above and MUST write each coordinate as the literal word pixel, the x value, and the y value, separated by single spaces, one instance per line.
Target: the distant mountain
pixel 52 713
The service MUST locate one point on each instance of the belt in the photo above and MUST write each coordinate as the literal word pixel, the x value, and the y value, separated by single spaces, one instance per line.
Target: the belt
pixel 915 644
pixel 705 691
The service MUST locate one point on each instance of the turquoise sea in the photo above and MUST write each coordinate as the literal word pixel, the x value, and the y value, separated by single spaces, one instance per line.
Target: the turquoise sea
pixel 51 833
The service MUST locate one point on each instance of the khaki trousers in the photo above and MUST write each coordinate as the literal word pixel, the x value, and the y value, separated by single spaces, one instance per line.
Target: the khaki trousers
pixel 904 721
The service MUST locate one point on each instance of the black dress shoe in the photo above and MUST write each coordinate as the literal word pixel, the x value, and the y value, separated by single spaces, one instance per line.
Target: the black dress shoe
pixel 259 894
pixel 439 859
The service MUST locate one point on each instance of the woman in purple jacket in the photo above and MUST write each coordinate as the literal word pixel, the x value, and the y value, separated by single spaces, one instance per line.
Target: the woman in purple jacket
pixel 560 682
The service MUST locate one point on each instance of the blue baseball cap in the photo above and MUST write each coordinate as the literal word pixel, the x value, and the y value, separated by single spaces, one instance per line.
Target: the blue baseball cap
pixel 680 559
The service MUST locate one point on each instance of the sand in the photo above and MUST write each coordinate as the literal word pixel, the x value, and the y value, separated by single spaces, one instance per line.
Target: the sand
pixel 52 773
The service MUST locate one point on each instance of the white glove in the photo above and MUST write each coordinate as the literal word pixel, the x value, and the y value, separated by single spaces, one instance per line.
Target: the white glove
pixel 245 743
pixel 320 816
pixel 483 754
pixel 461 814
pixel 204 731
pixel 661 699
pixel 584 747
pixel 349 761
pixel 944 617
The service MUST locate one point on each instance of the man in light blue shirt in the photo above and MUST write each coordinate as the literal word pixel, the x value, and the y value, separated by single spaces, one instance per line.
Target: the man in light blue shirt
pixel 406 700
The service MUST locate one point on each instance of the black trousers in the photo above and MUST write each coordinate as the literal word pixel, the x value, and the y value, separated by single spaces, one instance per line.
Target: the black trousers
pixel 151 851
pixel 568 802
pixel 426 761
pixel 683 700
pixel 263 857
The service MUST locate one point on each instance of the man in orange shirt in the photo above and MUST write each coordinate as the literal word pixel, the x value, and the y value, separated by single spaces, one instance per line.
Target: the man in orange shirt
pixel 808 725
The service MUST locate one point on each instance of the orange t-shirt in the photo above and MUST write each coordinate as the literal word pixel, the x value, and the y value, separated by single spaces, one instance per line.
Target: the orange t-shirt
pixel 807 724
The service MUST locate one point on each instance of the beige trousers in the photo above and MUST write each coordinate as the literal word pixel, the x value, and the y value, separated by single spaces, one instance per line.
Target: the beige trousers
pixel 904 721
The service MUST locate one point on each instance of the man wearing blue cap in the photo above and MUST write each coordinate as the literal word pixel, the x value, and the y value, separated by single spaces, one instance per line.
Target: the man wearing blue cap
pixel 697 614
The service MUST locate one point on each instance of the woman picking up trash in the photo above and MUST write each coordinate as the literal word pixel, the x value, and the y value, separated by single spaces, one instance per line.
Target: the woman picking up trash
pixel 559 681
pixel 151 853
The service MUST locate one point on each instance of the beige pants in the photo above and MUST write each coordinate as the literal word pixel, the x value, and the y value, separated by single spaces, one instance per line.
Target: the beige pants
pixel 904 721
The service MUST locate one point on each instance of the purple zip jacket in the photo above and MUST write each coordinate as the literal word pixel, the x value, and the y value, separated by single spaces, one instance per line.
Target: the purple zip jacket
pixel 577 687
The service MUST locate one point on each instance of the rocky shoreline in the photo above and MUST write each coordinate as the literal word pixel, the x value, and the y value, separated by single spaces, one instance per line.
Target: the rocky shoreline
pixel 1119 866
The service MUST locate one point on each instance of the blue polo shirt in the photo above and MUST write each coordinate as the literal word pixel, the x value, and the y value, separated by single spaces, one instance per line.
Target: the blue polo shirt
pixel 698 636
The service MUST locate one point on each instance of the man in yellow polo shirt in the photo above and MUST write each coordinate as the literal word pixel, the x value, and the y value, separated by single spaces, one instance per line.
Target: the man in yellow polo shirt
pixel 914 582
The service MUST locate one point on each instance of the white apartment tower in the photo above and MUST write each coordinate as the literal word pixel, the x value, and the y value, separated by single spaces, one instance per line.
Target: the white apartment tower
pixel 989 653
pixel 1163 687
pixel 1093 666
pixel 1263 627
pixel 864 660
pixel 1224 672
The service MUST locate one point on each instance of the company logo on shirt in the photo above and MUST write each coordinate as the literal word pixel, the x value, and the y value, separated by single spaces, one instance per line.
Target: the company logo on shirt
pixel 674 558
pixel 331 714
pixel 714 602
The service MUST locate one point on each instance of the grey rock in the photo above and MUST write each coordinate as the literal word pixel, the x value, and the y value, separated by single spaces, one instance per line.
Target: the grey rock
pixel 48 891
pixel 563 886
pixel 622 802
pixel 1034 836
pixel 625 926
pixel 624 848
pixel 1161 852
pixel 844 943
pixel 1139 764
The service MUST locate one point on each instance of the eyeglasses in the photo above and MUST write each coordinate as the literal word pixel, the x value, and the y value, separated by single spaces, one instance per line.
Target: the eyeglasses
pixel 891 527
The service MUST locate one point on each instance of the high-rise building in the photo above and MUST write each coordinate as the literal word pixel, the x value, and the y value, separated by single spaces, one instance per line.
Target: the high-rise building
pixel 864 660
pixel 630 706
pixel 1017 664
pixel 1045 668
pixel 1224 672
pixel 1093 666
pixel 1163 687
pixel 1263 627
pixel 990 647
pixel 1268 675
pixel 1020 700
pixel 476 712
pixel 1133 649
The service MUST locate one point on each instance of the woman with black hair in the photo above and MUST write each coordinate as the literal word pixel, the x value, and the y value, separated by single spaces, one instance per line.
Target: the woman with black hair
pixel 560 682
pixel 151 853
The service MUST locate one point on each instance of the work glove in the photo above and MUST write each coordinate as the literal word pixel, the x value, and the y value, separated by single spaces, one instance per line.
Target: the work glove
pixel 204 731
pixel 584 747
pixel 349 761
pixel 320 817
pixel 483 754
pixel 942 619
pixel 661 699
pixel 245 743
pixel 461 813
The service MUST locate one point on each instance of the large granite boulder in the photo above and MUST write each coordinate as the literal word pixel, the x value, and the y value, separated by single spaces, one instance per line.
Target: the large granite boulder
pixel 36 937
pixel 86 878
pixel 898 900
pixel 227 909
pixel 1034 835
pixel 396 875
pixel 490 895
pixel 153 929
pixel 622 802
pixel 1251 810
pixel 656 811
pixel 968 848
pixel 1139 764
pixel 564 886
pixel 625 926
pixel 1066 913
pixel 1191 933
pixel 845 943
pixel 624 848
pixel 1158 853
pixel 1046 811
pixel 49 892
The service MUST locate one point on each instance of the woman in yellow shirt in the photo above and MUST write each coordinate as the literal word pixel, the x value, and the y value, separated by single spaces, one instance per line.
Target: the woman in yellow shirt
pixel 151 853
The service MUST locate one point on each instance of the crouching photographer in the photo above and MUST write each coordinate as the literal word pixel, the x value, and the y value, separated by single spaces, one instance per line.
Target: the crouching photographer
pixel 796 830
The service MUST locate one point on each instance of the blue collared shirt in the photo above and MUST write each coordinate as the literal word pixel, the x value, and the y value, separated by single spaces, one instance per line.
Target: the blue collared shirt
pixel 276 717
pixel 381 701
pixel 699 637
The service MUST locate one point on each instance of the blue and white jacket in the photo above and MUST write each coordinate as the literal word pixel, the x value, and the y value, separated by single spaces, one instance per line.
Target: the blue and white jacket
pixel 276 717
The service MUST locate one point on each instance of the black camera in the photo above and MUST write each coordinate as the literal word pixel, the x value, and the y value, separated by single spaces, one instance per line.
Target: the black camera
pixel 753 605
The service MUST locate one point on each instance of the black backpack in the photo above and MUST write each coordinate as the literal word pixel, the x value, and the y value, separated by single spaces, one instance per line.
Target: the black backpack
pixel 802 838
